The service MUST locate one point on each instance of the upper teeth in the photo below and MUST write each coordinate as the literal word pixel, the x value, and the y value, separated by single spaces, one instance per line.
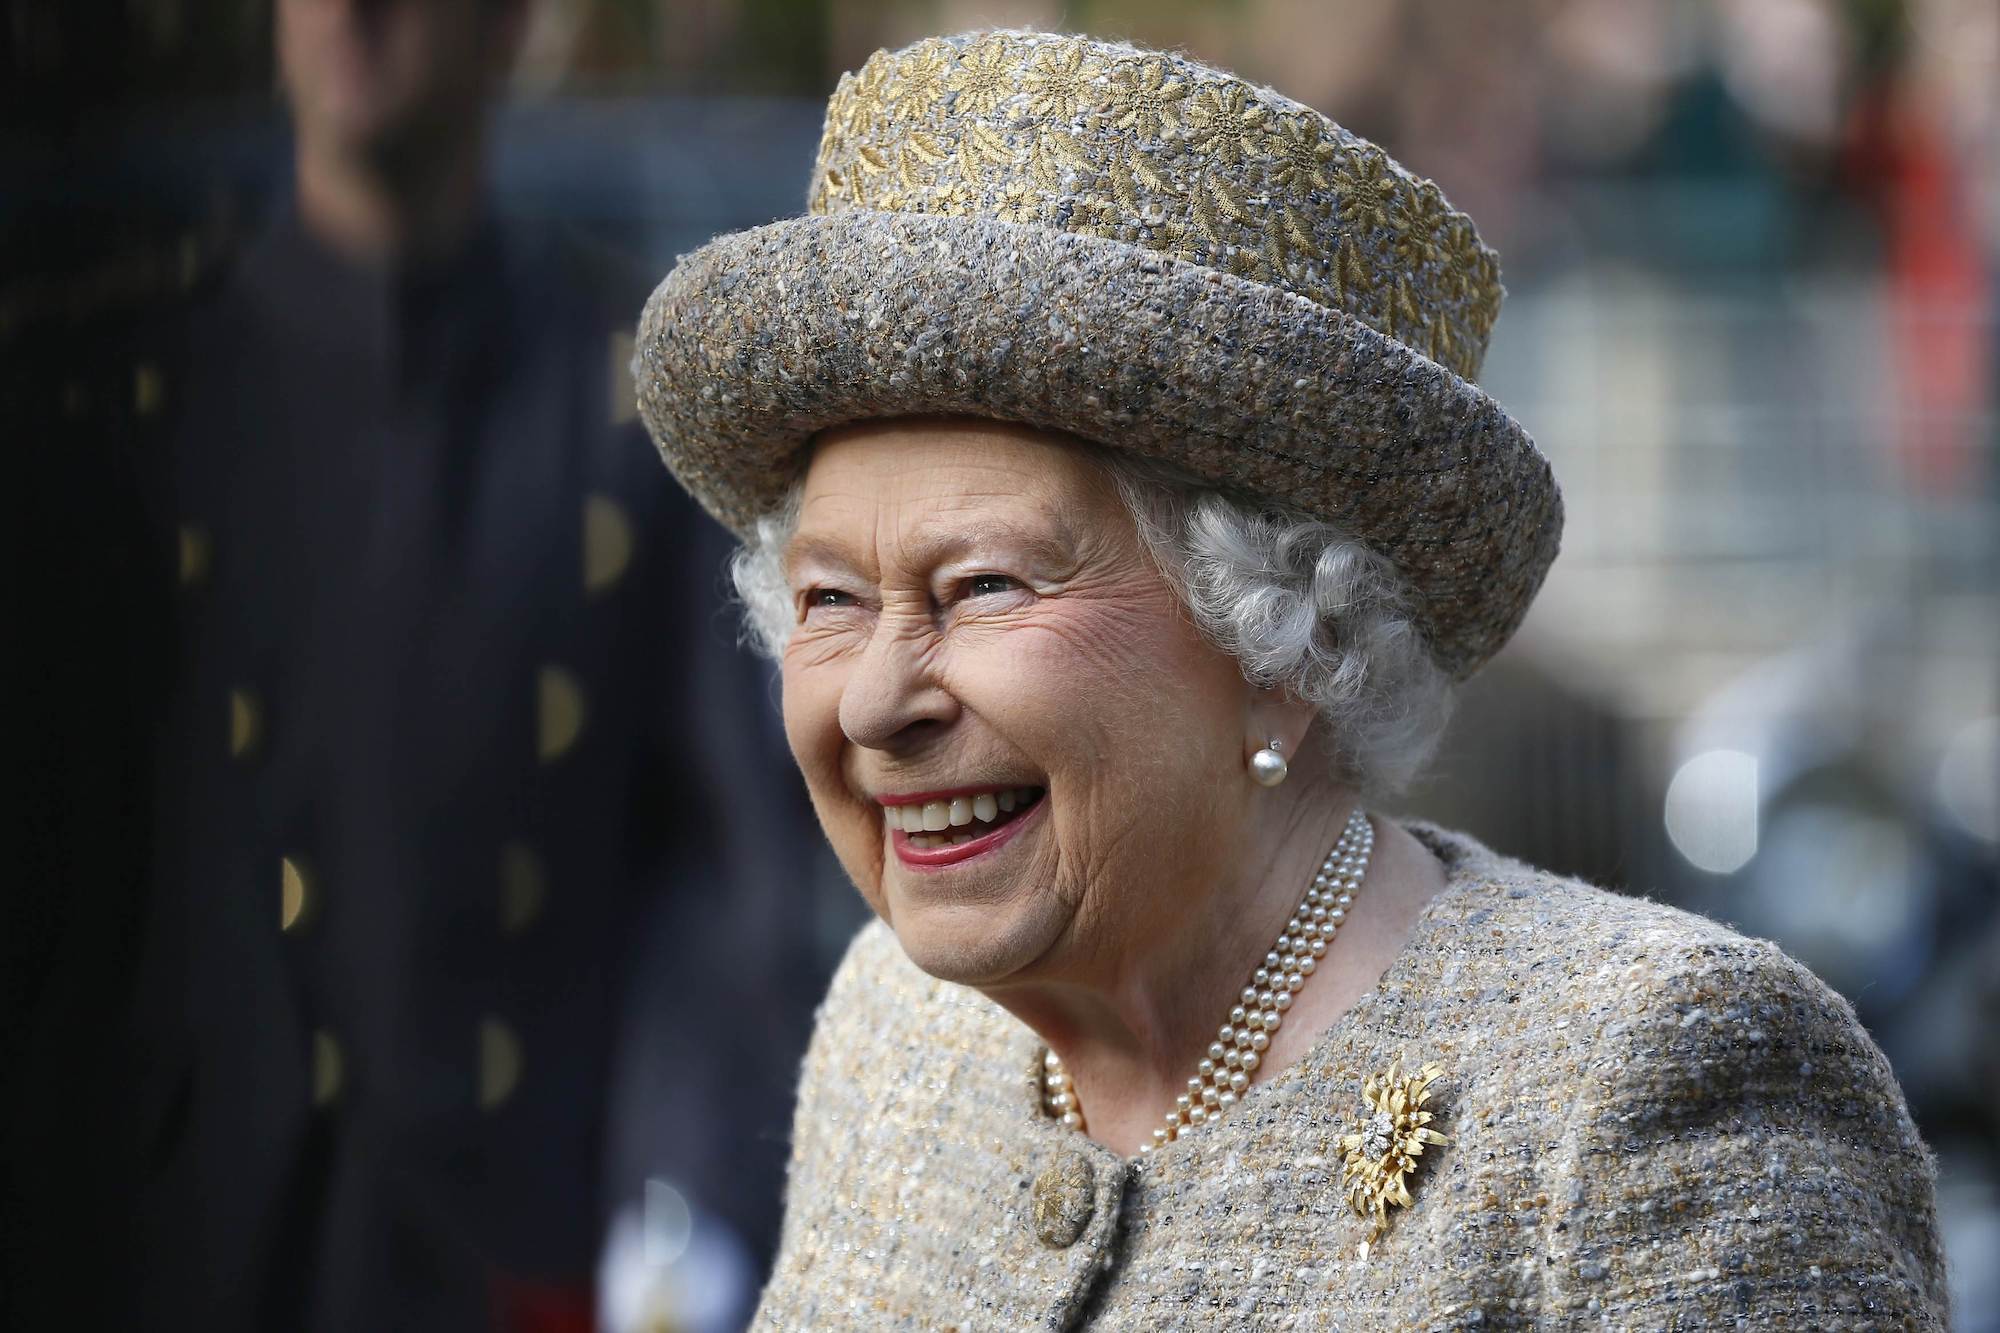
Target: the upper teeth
pixel 934 816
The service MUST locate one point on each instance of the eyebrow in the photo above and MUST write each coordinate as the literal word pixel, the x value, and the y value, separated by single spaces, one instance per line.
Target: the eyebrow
pixel 938 543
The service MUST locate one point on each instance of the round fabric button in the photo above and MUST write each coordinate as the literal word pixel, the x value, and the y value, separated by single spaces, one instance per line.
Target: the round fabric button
pixel 1063 1199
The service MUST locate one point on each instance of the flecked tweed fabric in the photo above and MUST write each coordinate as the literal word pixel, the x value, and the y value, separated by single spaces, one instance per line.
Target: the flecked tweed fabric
pixel 1657 1124
pixel 1140 250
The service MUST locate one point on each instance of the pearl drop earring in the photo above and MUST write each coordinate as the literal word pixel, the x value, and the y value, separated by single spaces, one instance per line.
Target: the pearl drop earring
pixel 1267 766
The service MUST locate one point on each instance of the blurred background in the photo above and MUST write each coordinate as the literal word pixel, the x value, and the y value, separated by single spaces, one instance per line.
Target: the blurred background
pixel 1750 250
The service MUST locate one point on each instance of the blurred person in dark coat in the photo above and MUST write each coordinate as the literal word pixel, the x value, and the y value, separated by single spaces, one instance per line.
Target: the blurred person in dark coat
pixel 447 720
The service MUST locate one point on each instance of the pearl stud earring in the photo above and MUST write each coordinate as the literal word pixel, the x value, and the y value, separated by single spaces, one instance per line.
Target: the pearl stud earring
pixel 1267 766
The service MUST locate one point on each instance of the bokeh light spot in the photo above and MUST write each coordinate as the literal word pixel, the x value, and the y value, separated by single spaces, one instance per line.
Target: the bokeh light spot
pixel 1711 810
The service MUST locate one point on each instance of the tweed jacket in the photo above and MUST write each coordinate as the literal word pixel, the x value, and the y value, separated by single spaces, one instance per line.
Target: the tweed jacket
pixel 1656 1123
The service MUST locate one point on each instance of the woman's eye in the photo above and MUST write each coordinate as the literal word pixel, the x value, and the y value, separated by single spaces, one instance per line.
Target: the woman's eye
pixel 982 585
pixel 828 597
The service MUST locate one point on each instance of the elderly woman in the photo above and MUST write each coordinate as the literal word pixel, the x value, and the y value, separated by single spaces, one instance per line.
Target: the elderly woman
pixel 1116 495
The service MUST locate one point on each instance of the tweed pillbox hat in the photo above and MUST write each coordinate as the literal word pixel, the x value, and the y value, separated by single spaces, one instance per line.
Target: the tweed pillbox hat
pixel 1139 250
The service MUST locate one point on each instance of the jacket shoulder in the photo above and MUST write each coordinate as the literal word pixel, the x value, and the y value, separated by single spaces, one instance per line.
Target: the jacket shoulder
pixel 1541 930
pixel 1712 1083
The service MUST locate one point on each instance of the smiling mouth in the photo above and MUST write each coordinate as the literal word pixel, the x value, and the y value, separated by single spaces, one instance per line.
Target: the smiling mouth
pixel 949 823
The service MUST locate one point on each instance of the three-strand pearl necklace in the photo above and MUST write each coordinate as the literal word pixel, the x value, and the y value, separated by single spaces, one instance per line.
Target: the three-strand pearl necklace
pixel 1226 1072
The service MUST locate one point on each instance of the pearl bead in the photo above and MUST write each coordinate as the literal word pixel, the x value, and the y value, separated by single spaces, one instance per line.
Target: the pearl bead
pixel 1194 1087
pixel 1199 1115
pixel 1227 1035
pixel 1159 1136
pixel 1263 976
pixel 1250 1060
pixel 1271 1020
pixel 1226 1099
pixel 1072 1119
pixel 1295 982
pixel 1182 1102
pixel 1062 1101
pixel 1209 1096
pixel 1238 1015
pixel 1238 1082
pixel 1216 1050
pixel 1234 1058
pixel 1249 995
pixel 1259 1042
pixel 1282 1002
pixel 1050 1060
pixel 1307 967
pixel 1268 767
pixel 1254 1021
pixel 1318 949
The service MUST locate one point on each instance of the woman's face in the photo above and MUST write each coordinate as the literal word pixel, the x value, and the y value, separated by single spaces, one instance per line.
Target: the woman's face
pixel 1021 749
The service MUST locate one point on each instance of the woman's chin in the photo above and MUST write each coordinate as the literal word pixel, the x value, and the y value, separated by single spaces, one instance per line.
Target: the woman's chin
pixel 975 944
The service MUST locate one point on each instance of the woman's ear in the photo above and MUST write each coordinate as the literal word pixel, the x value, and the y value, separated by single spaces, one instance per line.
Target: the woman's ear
pixel 1275 716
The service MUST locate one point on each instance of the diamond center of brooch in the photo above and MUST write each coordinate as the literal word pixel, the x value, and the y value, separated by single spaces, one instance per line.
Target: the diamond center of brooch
pixel 1375 1138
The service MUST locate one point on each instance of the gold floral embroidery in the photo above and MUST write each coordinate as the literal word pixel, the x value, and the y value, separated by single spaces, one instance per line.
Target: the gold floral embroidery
pixel 871 159
pixel 1367 192
pixel 1442 345
pixel 1303 155
pixel 872 79
pixel 1244 263
pixel 1095 215
pixel 1138 148
pixel 1403 313
pixel 1176 239
pixel 832 186
pixel 1149 97
pixel 856 104
pixel 1061 83
pixel 918 160
pixel 1016 202
pixel 1423 217
pixel 1123 177
pixel 1229 198
pixel 1052 153
pixel 1351 282
pixel 984 79
pixel 959 199
pixel 843 108
pixel 920 78
pixel 1223 124
pixel 984 151
pixel 1279 243
pixel 1458 252
pixel 1298 230
pixel 1207 216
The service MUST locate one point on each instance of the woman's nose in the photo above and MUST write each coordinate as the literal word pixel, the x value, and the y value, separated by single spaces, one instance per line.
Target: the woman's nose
pixel 893 698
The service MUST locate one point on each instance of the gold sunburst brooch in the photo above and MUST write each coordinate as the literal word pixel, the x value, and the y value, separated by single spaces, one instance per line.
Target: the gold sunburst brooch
pixel 1380 1156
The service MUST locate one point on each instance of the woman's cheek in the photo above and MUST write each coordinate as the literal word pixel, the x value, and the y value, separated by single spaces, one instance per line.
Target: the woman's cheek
pixel 811 709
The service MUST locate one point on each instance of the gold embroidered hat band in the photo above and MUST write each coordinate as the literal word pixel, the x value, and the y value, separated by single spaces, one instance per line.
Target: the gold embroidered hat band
pixel 1139 250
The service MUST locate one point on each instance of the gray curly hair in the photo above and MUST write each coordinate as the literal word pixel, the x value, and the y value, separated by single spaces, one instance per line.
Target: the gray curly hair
pixel 1299 604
